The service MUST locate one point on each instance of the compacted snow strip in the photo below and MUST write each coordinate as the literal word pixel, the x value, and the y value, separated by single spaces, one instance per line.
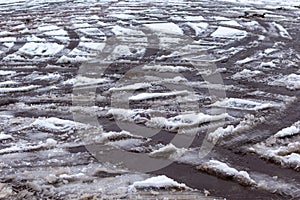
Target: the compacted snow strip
pixel 184 121
pixel 18 89
pixel 221 169
pixel 242 104
pixel 159 182
pixel 135 86
pixel 166 68
pixel 146 96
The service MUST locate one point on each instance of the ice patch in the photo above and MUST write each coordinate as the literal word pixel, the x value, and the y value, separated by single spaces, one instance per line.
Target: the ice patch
pixel 166 28
pixel 225 32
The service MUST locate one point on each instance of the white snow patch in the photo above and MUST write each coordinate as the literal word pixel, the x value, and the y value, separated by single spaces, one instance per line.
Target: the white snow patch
pixel 246 73
pixel 122 16
pixel 230 23
pixel 18 89
pixel 5 136
pixel 282 31
pixel 108 136
pixel 80 81
pixel 39 49
pixel 54 124
pixel 8 39
pixel 56 32
pixel 5 73
pixel 160 182
pixel 289 131
pixel 291 82
pixel 225 32
pixel 93 45
pixel 91 31
pixel 166 28
pixel 168 151
pixel 199 28
pixel 118 30
pixel 222 169
pixel 48 28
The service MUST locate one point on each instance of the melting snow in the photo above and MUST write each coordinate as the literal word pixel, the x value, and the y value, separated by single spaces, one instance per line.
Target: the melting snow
pixel 223 170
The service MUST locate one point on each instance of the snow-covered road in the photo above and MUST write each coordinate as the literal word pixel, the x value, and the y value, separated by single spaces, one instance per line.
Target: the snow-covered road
pixel 149 99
